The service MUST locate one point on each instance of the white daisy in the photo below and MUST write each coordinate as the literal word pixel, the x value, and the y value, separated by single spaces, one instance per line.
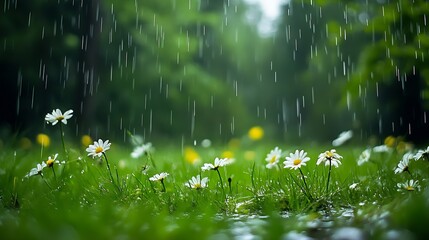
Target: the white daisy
pixel 296 160
pixel 410 185
pixel 404 163
pixel 422 153
pixel 98 148
pixel 37 170
pixel 159 177
pixel 330 158
pixel 51 160
pixel 141 150
pixel 273 157
pixel 197 182
pixel 364 156
pixel 217 164
pixel 342 138
pixel 57 116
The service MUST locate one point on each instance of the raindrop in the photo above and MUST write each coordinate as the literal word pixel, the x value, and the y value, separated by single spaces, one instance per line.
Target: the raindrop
pixel 29 19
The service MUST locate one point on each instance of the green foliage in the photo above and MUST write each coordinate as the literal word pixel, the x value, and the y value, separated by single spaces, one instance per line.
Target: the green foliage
pixel 392 65
pixel 80 201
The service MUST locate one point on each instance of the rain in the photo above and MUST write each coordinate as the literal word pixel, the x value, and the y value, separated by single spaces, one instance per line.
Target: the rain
pixel 188 82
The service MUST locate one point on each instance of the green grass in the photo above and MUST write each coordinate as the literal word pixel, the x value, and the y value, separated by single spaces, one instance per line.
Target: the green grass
pixel 80 201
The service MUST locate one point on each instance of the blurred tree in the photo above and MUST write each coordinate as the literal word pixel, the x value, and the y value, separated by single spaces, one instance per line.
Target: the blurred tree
pixel 304 84
pixel 389 84
pixel 160 83
pixel 142 66
pixel 41 42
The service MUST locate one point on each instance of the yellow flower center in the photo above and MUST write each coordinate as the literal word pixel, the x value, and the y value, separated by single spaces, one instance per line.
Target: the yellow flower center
pixel 273 159
pixel 197 185
pixel 50 162
pixel 329 154
pixel 297 161
pixel 59 118
pixel 98 149
pixel 409 188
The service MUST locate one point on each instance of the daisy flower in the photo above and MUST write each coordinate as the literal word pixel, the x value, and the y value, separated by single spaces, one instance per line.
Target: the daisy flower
pixel 219 162
pixel 364 156
pixel 273 157
pixel 197 182
pixel 422 153
pixel 37 170
pixel 404 163
pixel 159 177
pixel 56 116
pixel 296 160
pixel 330 158
pixel 410 185
pixel 141 150
pixel 51 160
pixel 98 148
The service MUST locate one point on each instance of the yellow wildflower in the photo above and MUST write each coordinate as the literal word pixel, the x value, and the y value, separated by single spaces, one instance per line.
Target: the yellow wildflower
pixel 234 143
pixel 191 156
pixel 86 140
pixel 43 140
pixel 256 133
pixel 390 141
pixel 227 154
pixel 249 155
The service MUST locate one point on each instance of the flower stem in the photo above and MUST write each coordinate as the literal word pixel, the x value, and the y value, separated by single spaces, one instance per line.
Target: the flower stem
pixel 221 182
pixel 229 185
pixel 163 186
pixel 110 172
pixel 306 186
pixel 411 175
pixel 46 181
pixel 329 176
pixel 62 139
pixel 149 156
pixel 53 170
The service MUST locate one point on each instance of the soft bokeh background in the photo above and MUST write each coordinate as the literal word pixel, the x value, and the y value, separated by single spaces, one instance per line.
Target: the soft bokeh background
pixel 304 70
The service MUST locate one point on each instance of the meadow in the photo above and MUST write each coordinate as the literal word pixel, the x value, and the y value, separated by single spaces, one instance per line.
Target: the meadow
pixel 78 188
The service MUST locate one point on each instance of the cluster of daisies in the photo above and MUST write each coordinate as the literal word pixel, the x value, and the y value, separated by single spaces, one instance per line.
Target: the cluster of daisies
pixel 52 118
pixel 299 158
pixel 294 161
pixel 403 165
pixel 99 148
pixel 197 182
